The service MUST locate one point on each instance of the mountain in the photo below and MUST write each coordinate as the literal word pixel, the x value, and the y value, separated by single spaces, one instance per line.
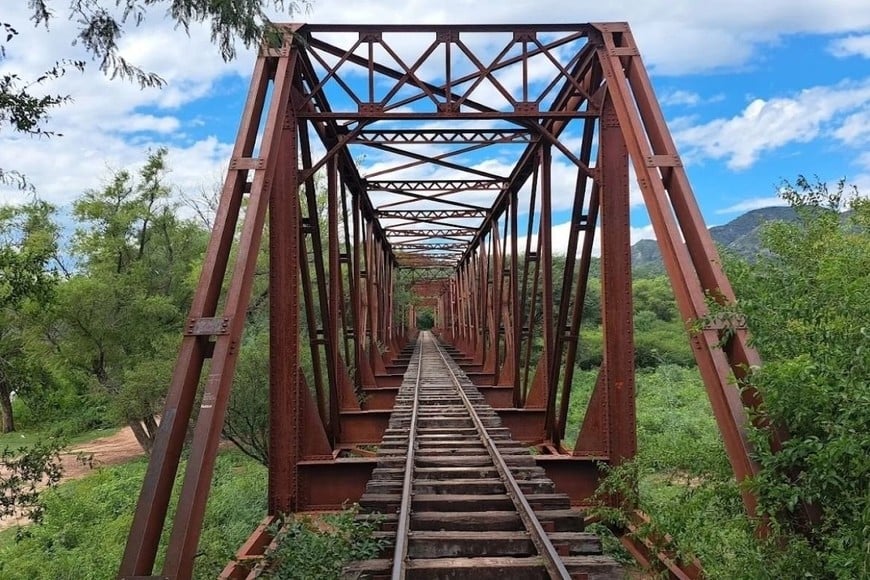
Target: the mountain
pixel 741 235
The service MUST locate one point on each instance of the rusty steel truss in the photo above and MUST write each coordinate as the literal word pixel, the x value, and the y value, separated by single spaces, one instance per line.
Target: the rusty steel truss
pixel 365 152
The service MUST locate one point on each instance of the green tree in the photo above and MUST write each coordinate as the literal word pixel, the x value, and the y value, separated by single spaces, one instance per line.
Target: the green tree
pixel 101 24
pixel 656 296
pixel 247 420
pixel 807 303
pixel 425 320
pixel 115 323
pixel 24 473
pixel 28 243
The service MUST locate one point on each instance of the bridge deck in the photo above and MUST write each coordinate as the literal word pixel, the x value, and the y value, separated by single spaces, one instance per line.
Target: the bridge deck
pixel 460 498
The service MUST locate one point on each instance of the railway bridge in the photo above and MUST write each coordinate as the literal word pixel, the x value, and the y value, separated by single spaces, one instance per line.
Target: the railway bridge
pixel 394 170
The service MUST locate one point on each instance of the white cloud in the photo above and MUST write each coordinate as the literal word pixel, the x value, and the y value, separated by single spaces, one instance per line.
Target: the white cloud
pixel 862 179
pixel 751 204
pixel 855 128
pixel 853 45
pixel 767 125
pixel 110 123
pixel 675 37
pixel 148 123
pixel 67 166
pixel 687 98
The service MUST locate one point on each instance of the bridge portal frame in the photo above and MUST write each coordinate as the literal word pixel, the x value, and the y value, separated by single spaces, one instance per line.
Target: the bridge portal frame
pixel 496 299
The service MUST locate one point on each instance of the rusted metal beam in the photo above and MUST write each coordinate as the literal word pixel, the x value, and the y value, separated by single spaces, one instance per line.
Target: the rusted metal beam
pixel 645 134
pixel 432 233
pixel 583 28
pixel 149 518
pixel 430 214
pixel 285 419
pixel 444 136
pixel 566 100
pixel 444 247
pixel 187 524
pixel 435 185
pixel 430 199
pixel 616 292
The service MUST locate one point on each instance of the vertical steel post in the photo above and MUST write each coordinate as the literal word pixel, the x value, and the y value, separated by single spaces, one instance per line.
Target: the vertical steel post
pixel 359 336
pixel 337 375
pixel 515 312
pixel 674 215
pixel 546 261
pixel 616 293
pixel 284 373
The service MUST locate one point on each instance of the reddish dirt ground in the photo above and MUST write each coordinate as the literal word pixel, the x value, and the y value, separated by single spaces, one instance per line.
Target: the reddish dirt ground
pixel 111 450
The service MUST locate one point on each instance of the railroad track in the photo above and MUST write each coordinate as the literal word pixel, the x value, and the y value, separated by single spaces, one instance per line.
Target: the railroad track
pixel 459 498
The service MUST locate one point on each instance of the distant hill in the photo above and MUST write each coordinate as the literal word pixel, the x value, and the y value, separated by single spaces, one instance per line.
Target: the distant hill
pixel 741 235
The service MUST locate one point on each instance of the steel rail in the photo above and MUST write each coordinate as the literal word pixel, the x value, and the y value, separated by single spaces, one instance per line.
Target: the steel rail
pixel 551 559
pixel 400 552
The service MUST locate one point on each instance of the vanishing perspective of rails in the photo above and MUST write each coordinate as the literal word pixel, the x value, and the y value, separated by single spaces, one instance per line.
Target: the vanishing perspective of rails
pixel 471 502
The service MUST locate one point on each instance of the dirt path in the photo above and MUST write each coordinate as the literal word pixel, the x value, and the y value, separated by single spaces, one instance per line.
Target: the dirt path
pixel 111 450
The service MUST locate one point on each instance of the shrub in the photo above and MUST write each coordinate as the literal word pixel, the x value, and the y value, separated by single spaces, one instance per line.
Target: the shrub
pixel 808 304
pixel 309 548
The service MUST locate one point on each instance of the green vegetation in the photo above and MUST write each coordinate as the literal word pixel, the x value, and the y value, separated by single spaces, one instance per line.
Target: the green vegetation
pixel 309 548
pixel 808 304
pixel 90 344
pixel 115 321
pixel 27 438
pixel 28 241
pixel 806 298
pixel 86 523
pixel 425 320
pixel 24 472
pixel 660 336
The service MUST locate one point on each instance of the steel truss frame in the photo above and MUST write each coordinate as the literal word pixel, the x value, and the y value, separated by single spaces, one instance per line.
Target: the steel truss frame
pixel 314 104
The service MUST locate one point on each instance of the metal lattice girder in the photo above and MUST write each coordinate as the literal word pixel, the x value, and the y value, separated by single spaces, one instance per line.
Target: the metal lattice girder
pixel 436 186
pixel 400 246
pixel 445 233
pixel 444 136
pixel 413 262
pixel 430 214
pixel 427 248
pixel 423 256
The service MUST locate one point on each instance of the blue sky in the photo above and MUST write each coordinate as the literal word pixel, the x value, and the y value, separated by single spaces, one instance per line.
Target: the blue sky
pixel 753 93
pixel 799 79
